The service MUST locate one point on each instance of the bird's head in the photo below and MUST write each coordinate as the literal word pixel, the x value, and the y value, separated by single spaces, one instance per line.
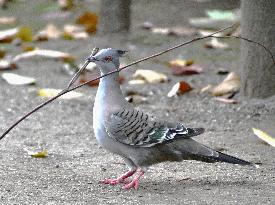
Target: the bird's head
pixel 107 59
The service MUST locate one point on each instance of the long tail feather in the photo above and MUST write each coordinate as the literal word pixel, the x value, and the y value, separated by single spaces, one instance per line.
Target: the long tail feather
pixel 222 158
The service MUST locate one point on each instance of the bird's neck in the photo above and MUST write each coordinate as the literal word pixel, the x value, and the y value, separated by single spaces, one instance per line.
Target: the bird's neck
pixel 109 92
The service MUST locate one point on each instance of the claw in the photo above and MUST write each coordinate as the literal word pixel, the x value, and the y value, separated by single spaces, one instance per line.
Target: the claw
pixel 121 179
pixel 135 182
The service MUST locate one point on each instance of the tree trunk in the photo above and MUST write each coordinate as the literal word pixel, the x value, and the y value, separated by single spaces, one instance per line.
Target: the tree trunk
pixel 258 69
pixel 114 16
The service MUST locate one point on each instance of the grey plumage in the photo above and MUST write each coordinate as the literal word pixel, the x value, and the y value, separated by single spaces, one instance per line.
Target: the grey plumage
pixel 137 137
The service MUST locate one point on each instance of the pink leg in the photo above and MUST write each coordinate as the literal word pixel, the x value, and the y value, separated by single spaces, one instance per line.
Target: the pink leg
pixel 119 179
pixel 135 182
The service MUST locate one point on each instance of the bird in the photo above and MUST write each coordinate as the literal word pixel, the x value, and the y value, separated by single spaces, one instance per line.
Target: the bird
pixel 140 139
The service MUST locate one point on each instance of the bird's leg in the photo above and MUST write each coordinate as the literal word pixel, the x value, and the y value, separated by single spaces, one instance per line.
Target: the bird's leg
pixel 120 179
pixel 135 182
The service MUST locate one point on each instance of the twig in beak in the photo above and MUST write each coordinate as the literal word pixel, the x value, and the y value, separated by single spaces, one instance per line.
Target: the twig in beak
pixel 75 77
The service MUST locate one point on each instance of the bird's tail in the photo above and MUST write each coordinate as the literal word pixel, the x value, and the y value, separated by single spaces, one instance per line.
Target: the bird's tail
pixel 225 158
pixel 192 150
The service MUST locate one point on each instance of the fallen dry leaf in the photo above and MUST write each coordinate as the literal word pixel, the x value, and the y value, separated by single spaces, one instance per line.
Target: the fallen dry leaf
pixel 27 47
pixel 264 136
pixel 7 65
pixel 74 32
pixel 38 154
pixel 15 79
pixel 176 31
pixel 7 36
pixel 206 88
pixel 187 70
pixel 182 31
pixel 180 62
pixel 7 20
pixel 215 44
pixel 231 84
pixel 226 100
pixel 66 4
pixel 163 31
pixel 50 32
pixel 25 34
pixel 89 20
pixel 147 25
pixel 149 76
pixel 2 53
pixel 57 55
pixel 179 89
pixel 136 82
pixel 184 67
pixel 50 92
pixel 3 3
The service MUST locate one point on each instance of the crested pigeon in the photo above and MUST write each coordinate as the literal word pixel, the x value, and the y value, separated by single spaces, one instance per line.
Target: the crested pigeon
pixel 137 137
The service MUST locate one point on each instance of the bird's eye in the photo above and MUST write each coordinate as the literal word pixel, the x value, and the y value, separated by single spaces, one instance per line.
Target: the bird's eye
pixel 108 58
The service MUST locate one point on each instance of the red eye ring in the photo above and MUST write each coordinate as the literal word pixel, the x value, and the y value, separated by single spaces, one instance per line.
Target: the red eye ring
pixel 108 58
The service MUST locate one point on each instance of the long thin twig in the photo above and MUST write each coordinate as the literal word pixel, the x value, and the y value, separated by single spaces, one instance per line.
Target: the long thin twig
pixel 97 78
pixel 250 41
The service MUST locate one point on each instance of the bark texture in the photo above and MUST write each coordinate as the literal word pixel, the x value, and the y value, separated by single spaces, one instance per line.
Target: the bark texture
pixel 258 70
pixel 114 16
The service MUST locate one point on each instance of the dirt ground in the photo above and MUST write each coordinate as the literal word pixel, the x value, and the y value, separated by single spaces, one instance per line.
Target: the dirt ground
pixel 76 164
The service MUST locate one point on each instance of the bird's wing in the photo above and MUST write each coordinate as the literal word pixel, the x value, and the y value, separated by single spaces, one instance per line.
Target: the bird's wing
pixel 133 127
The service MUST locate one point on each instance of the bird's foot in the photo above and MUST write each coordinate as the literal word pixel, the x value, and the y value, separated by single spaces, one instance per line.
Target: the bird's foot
pixel 135 182
pixel 114 181
pixel 121 179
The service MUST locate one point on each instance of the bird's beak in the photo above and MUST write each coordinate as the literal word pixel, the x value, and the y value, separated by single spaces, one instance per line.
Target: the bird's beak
pixel 92 59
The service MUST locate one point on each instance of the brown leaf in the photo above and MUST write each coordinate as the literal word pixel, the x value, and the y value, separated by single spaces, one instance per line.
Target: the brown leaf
pixel 7 65
pixel 2 53
pixel 7 36
pixel 230 84
pixel 179 89
pixel 66 4
pixel 186 70
pixel 184 67
pixel 89 21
